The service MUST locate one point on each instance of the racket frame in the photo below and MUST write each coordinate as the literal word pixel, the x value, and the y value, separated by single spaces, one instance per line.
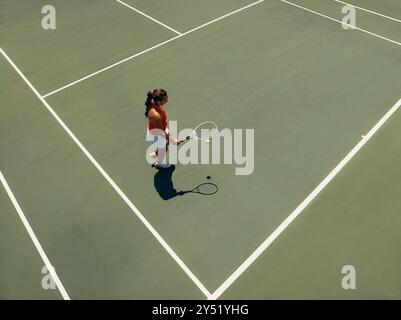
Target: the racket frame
pixel 193 135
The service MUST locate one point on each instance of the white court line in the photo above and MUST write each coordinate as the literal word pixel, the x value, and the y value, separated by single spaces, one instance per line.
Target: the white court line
pixel 370 11
pixel 346 24
pixel 303 205
pixel 34 239
pixel 223 17
pixel 227 283
pixel 149 17
pixel 111 182
pixel 110 66
pixel 147 50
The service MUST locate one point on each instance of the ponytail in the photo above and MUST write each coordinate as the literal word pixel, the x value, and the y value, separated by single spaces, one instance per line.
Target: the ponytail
pixel 152 97
pixel 148 102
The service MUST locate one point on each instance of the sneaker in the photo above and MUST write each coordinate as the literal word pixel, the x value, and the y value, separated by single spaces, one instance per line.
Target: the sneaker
pixel 157 165
pixel 153 155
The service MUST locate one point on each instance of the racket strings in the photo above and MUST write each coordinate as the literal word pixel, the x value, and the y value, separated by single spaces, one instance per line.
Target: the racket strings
pixel 205 130
pixel 207 188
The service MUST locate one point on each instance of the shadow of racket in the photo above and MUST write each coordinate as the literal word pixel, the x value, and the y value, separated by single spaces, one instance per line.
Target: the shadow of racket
pixel 204 189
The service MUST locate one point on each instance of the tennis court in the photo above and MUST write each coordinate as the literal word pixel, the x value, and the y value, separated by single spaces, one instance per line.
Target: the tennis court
pixel 77 193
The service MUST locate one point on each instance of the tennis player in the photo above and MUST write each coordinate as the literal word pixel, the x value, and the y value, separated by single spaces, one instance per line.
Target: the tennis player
pixel 157 119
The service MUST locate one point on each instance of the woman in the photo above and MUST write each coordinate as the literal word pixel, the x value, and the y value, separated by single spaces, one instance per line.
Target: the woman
pixel 157 119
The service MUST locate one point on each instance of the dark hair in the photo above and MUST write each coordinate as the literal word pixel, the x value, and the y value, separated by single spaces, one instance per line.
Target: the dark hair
pixel 153 96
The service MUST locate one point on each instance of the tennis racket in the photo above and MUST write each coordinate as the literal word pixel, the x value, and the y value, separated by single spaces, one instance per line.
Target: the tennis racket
pixel 206 189
pixel 203 131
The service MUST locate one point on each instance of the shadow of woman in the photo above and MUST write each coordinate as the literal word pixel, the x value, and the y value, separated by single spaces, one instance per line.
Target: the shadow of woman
pixel 163 182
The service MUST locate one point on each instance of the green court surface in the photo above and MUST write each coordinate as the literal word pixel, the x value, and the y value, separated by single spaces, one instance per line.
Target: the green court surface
pixel 355 221
pixel 20 263
pixel 73 152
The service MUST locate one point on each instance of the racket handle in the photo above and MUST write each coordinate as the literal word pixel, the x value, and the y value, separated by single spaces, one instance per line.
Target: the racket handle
pixel 186 139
